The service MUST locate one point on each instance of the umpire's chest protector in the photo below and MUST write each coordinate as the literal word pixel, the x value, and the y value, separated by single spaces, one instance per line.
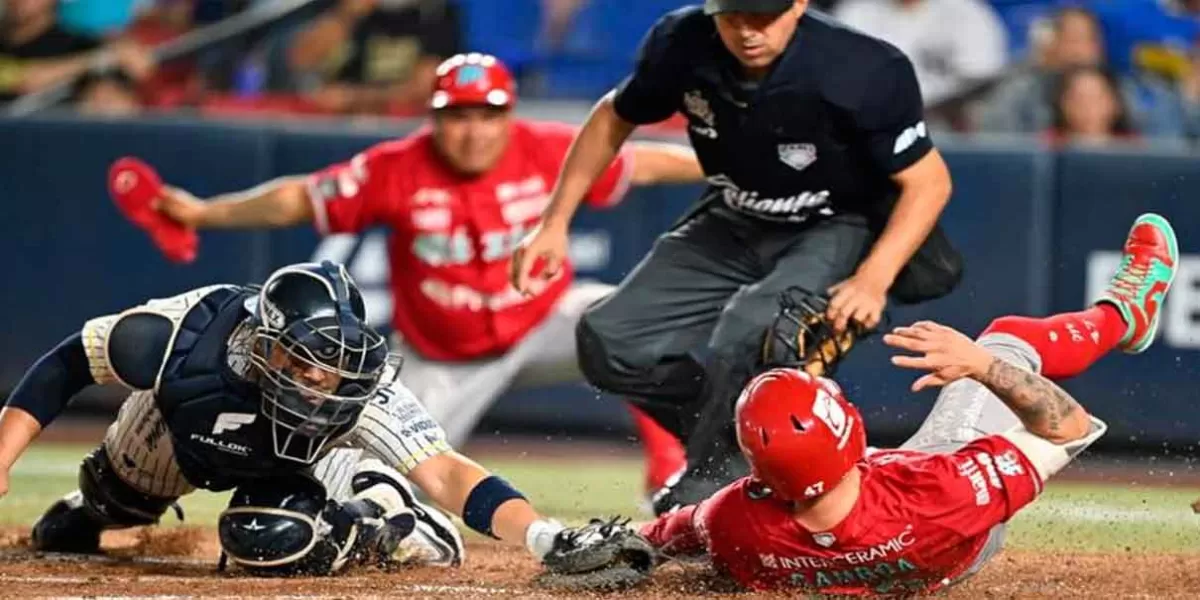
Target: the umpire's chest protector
pixel 220 436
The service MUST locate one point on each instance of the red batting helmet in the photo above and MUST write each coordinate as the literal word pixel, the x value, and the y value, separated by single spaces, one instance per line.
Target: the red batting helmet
pixel 473 80
pixel 799 433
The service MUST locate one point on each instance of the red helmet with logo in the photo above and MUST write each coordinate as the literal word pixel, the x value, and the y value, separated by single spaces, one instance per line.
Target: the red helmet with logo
pixel 473 80
pixel 798 432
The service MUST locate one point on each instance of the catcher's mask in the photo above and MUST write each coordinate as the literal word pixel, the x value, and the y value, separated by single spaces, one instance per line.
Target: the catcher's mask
pixel 802 337
pixel 319 361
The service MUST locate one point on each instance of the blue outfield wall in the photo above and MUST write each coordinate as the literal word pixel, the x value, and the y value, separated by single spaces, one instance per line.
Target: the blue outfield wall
pixel 1040 232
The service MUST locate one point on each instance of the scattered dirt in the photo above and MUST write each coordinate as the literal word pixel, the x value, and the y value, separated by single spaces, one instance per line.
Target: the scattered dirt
pixel 181 562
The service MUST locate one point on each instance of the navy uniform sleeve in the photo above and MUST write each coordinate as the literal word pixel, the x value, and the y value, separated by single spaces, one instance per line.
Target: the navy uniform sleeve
pixel 54 379
pixel 890 116
pixel 126 349
pixel 651 94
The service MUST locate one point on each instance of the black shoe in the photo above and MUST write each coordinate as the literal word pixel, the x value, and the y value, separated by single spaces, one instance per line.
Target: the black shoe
pixel 695 484
pixel 67 527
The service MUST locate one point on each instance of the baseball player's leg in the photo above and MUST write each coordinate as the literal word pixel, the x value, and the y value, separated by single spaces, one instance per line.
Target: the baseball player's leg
pixel 813 260
pixel 1125 317
pixel 549 357
pixel 457 394
pixel 130 480
pixel 1064 345
pixel 638 341
pixel 420 535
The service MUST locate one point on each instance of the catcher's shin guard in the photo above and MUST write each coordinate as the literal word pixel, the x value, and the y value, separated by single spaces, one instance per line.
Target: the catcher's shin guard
pixel 103 501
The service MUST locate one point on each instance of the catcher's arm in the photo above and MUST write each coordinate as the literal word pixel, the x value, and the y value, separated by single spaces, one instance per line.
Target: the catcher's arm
pixel 39 398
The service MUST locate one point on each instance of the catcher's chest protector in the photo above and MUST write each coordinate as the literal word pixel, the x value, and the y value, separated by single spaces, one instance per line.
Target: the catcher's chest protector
pixel 220 437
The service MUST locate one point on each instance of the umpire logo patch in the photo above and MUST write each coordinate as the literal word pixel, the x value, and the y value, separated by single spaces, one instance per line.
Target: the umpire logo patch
pixel 798 156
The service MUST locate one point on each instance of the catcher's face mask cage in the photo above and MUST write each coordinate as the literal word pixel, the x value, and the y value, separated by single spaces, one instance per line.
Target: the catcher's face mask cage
pixel 317 375
pixel 802 337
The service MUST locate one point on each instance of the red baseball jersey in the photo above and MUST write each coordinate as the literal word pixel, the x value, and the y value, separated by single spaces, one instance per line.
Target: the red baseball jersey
pixel 921 520
pixel 451 237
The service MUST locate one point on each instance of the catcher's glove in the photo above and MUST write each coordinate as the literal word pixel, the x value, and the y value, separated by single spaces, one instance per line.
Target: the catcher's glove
pixel 801 336
pixel 602 556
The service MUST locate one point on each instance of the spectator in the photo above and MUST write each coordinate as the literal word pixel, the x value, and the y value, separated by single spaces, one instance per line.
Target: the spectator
pixel 373 56
pixel 1088 108
pixel 954 45
pixel 96 18
pixel 35 53
pixel 1022 104
pixel 112 94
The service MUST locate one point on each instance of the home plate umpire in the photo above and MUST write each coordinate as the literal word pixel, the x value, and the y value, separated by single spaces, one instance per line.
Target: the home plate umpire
pixel 824 185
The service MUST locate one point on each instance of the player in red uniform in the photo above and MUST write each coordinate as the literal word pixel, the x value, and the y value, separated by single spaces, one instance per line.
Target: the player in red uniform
pixel 824 513
pixel 458 197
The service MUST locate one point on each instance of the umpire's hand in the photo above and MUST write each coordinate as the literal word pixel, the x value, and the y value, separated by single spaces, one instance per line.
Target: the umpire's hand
pixel 549 242
pixel 861 297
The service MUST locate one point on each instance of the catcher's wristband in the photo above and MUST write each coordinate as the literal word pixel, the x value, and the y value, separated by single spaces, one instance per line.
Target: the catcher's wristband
pixel 483 502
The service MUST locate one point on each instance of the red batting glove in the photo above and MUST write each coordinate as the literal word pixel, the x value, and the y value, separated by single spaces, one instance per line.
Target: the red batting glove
pixel 135 187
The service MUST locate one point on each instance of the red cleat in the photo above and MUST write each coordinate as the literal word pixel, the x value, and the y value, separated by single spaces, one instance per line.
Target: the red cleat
pixel 1137 289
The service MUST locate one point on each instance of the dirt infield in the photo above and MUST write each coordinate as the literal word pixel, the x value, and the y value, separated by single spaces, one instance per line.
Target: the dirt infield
pixel 181 563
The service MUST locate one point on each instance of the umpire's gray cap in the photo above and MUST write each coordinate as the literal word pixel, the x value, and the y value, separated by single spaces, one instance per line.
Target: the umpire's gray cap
pixel 714 7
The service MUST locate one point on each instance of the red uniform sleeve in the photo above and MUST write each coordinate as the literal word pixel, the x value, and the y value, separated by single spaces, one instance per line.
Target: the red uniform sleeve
pixel 610 188
pixel 352 196
pixel 979 486
pixel 676 534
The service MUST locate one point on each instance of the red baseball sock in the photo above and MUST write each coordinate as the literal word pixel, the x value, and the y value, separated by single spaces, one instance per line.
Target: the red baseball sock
pixel 1070 342
pixel 663 451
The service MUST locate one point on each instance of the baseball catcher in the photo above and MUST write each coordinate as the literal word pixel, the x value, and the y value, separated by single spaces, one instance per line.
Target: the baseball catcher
pixel 283 394
pixel 824 513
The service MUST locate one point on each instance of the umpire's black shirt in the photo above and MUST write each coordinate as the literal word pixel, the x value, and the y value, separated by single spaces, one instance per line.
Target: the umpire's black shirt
pixel 838 114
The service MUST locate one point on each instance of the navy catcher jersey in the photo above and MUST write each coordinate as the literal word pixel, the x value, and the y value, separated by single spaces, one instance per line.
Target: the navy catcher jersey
pixel 838 114
pixel 195 414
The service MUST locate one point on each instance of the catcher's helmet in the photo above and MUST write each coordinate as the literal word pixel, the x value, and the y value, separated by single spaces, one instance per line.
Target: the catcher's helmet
pixel 319 361
pixel 798 432
pixel 473 80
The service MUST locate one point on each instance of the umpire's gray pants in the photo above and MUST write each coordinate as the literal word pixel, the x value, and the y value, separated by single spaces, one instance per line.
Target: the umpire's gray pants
pixel 707 289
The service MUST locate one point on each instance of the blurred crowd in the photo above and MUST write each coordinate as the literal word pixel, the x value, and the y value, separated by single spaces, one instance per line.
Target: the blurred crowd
pixel 1086 72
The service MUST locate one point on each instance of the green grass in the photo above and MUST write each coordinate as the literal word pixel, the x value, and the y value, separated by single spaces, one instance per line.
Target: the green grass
pixel 1069 517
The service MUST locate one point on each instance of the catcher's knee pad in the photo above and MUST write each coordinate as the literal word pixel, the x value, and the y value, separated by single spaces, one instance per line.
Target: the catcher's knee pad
pixel 285 526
